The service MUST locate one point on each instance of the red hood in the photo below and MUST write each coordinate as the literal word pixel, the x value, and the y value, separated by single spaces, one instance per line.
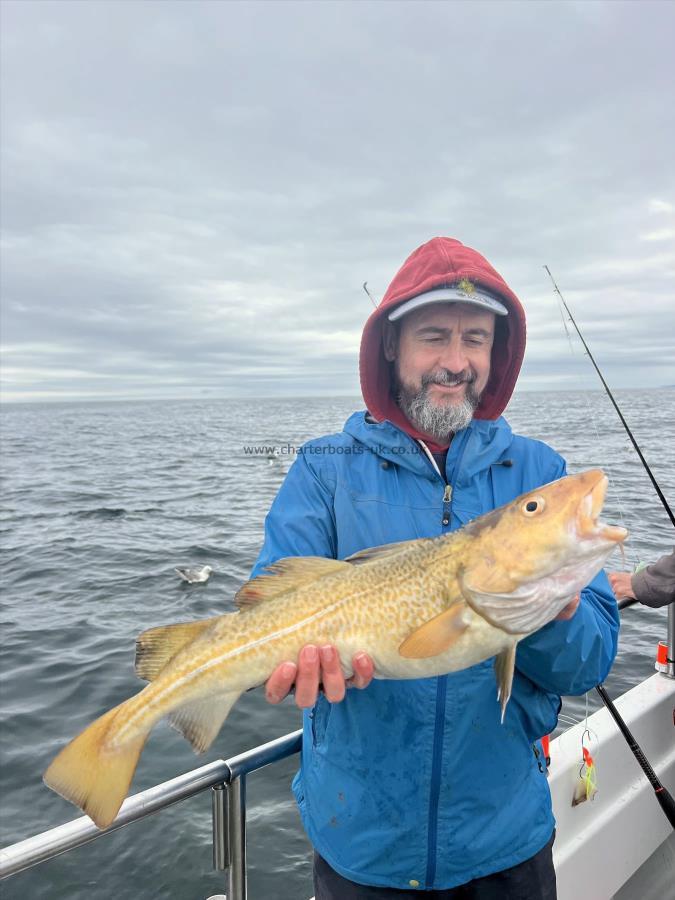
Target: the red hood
pixel 443 262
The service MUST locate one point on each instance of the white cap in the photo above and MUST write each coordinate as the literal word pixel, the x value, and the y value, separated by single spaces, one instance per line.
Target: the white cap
pixel 476 297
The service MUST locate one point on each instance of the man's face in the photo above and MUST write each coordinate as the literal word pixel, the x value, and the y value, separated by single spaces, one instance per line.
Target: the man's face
pixel 442 364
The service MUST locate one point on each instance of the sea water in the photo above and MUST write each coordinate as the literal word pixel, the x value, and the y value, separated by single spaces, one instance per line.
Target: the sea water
pixel 100 502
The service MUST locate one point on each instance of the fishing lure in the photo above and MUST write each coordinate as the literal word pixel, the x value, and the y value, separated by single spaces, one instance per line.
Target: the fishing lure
pixel 587 784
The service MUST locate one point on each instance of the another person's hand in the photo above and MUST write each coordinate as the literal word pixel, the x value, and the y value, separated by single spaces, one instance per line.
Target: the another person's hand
pixel 569 610
pixel 622 585
pixel 317 665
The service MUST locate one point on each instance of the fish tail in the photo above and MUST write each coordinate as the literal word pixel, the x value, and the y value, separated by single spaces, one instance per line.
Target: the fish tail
pixel 93 771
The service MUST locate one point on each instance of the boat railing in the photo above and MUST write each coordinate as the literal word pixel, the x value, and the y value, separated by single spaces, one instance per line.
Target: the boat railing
pixel 227 780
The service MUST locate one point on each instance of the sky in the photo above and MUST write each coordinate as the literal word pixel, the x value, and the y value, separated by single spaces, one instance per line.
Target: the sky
pixel 193 193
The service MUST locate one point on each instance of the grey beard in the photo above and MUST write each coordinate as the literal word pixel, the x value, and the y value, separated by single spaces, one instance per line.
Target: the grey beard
pixel 436 420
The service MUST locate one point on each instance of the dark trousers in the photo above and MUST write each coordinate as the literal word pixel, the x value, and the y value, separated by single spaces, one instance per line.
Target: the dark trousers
pixel 533 879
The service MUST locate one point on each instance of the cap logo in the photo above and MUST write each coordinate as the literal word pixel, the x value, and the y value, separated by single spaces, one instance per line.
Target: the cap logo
pixel 466 287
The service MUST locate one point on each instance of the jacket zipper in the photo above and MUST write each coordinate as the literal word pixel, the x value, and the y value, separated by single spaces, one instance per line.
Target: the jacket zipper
pixel 436 760
pixel 439 731
pixel 447 499
pixel 439 725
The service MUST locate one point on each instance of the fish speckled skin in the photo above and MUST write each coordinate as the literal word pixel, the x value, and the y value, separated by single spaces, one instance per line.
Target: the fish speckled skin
pixel 371 607
pixel 419 608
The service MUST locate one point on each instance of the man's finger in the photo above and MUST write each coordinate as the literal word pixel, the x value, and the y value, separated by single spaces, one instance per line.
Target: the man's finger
pixel 331 674
pixel 363 670
pixel 307 679
pixel 280 682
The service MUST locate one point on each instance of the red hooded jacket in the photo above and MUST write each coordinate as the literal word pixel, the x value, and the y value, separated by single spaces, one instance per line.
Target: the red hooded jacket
pixel 443 262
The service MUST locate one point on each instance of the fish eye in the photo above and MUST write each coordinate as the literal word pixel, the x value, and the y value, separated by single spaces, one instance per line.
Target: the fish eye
pixel 534 506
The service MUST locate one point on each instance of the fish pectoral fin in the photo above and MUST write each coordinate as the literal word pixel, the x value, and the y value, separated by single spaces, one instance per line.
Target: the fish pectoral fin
pixel 505 663
pixel 286 575
pixel 156 646
pixel 436 635
pixel 200 720
pixel 520 611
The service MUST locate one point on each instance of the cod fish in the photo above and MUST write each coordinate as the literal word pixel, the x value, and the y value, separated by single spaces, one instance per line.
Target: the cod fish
pixel 419 608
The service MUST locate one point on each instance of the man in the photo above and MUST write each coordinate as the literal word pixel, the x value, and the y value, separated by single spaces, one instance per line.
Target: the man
pixel 415 786
pixel 654 585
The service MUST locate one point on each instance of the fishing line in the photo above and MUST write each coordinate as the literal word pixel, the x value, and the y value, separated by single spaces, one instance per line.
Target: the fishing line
pixel 568 720
pixel 614 403
pixel 567 331
pixel 613 490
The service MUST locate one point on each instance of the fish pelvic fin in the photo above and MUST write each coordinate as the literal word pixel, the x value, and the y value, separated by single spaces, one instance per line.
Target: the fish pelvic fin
pixel 286 575
pixel 93 775
pixel 157 646
pixel 200 720
pixel 436 635
pixel 505 663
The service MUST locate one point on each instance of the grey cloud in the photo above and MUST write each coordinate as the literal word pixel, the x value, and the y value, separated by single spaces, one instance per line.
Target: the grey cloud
pixel 201 188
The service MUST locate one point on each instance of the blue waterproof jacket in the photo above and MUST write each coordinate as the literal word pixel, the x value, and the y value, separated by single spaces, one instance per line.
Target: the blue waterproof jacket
pixel 417 784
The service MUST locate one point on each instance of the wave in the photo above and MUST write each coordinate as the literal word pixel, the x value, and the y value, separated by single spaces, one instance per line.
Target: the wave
pixel 103 512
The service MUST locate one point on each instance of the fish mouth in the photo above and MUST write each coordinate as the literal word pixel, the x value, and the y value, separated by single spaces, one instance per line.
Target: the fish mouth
pixel 588 523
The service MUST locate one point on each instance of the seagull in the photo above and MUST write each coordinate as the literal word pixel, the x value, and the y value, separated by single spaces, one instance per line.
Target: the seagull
pixel 194 575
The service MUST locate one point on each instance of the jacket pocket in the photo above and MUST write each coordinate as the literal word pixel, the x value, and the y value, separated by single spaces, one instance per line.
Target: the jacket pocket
pixel 320 716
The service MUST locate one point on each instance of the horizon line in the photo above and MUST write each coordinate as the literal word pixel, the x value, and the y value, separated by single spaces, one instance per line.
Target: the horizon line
pixel 207 398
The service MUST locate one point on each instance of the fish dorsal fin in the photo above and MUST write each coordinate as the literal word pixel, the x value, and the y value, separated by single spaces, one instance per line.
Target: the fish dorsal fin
pixel 156 646
pixel 385 550
pixel 286 575
pixel 436 635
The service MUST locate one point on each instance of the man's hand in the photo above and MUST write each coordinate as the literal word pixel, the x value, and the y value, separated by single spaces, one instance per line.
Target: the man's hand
pixel 569 610
pixel 621 585
pixel 317 665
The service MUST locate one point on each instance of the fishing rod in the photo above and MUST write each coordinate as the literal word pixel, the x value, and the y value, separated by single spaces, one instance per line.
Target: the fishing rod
pixel 372 299
pixel 660 792
pixel 615 404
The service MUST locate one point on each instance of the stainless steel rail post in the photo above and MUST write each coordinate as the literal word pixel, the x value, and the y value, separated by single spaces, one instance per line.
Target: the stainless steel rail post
pixel 671 641
pixel 229 834
pixel 221 844
pixel 236 822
